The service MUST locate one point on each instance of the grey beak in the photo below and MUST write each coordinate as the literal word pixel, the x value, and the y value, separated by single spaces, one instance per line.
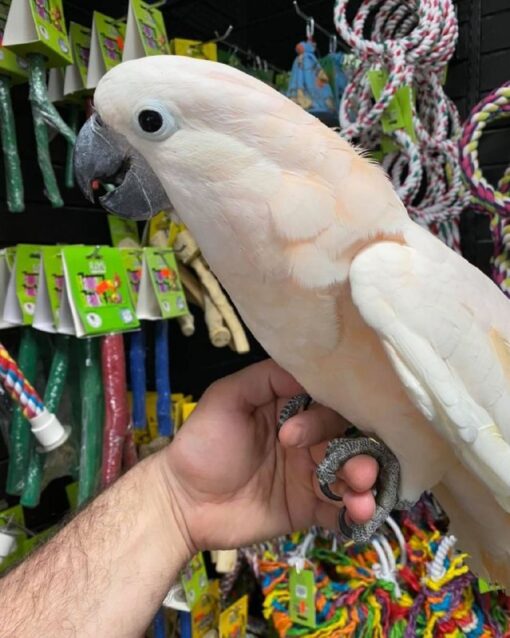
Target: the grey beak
pixel 103 154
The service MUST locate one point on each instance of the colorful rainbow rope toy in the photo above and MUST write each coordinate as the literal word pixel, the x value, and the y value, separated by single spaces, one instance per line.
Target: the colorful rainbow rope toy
pixel 485 198
pixel 48 430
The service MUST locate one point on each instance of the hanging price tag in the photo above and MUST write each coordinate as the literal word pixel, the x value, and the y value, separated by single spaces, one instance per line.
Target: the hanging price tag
pixel 10 64
pixel 132 259
pixel 34 26
pixel 96 291
pixel 206 613
pixel 194 580
pixel 124 232
pixel 195 49
pixel 145 32
pixel 485 587
pixel 47 316
pixel 23 283
pixel 161 295
pixel 4 282
pixel 106 46
pixel 75 80
pixel 398 113
pixel 234 620
pixel 302 590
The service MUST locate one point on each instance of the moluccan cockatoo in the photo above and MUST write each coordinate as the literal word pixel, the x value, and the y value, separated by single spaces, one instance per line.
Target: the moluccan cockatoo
pixel 374 316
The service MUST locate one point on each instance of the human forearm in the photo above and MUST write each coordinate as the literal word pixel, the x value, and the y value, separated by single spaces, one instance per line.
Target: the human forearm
pixel 121 553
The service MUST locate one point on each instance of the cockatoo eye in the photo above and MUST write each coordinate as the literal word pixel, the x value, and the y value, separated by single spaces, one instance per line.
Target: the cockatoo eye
pixel 153 121
pixel 150 121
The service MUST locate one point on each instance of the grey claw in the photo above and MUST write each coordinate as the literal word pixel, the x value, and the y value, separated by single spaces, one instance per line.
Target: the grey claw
pixel 300 401
pixel 339 451
pixel 326 490
pixel 344 526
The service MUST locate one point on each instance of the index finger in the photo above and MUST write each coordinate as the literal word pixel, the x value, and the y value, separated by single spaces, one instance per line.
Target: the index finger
pixel 258 385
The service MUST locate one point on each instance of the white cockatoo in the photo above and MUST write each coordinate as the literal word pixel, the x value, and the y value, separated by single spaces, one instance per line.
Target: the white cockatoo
pixel 373 315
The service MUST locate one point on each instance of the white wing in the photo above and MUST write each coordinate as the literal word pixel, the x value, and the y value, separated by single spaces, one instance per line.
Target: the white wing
pixel 452 356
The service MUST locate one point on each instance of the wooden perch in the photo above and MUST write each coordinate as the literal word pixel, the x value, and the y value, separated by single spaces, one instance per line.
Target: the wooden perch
pixel 188 252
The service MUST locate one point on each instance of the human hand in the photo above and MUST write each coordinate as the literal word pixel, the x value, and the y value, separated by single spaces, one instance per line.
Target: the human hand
pixel 234 483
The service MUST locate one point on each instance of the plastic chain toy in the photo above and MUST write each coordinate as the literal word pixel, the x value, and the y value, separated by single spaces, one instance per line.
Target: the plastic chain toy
pixel 48 430
pixel 484 197
pixel 409 43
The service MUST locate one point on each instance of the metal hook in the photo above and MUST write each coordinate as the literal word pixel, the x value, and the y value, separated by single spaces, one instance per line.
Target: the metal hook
pixel 222 38
pixel 310 28
pixel 95 253
pixel 158 4
pixel 333 43
pixel 218 38
pixel 11 524
pixel 311 25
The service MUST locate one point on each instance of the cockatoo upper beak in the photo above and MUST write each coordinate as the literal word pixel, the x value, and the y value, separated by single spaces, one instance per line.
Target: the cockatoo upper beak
pixel 134 190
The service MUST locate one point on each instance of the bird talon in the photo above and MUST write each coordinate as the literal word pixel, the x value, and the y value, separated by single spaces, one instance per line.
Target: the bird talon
pixel 326 490
pixel 297 403
pixel 345 528
pixel 338 452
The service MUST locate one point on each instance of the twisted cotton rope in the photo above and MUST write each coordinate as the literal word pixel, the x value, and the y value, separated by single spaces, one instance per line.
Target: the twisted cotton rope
pixel 485 198
pixel 437 596
pixel 18 386
pixel 413 41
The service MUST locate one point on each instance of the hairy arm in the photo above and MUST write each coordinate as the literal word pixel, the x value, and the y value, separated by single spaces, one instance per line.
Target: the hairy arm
pixel 106 572
pixel 225 481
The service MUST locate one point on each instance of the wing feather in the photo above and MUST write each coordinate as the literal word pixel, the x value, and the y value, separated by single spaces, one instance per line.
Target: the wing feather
pixel 441 351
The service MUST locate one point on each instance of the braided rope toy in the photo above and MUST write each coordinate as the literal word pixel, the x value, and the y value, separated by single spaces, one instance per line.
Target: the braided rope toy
pixel 485 198
pixel 435 595
pixel 45 426
pixel 412 41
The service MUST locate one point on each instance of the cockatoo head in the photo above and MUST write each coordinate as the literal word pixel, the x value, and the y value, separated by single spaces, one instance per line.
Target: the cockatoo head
pixel 177 132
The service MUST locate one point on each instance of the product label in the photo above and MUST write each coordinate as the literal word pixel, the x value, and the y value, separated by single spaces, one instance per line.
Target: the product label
pixel 54 277
pixel 195 49
pixel 123 232
pixel 485 587
pixel 38 26
pixel 302 597
pixel 4 283
pixel 194 580
pixel 97 290
pixel 234 620
pixel 11 64
pixel 79 37
pixel 399 113
pixel 161 295
pixel 132 258
pixel 23 283
pixel 50 25
pixel 146 31
pixel 205 614
pixel 110 34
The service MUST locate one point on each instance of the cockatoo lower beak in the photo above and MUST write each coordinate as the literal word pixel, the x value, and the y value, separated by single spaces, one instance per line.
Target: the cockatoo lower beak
pixel 134 191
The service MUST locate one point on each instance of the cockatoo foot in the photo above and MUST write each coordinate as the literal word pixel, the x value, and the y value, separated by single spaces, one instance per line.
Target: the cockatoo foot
pixel 338 452
pixel 297 403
